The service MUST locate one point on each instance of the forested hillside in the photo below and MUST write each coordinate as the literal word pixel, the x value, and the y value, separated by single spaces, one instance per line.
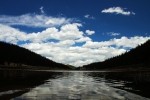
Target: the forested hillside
pixel 13 55
pixel 137 57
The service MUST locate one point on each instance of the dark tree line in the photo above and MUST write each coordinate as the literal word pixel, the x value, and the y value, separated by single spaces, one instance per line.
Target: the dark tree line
pixel 14 54
pixel 137 56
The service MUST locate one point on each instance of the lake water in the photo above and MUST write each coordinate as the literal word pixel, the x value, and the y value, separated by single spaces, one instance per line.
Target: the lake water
pixel 72 85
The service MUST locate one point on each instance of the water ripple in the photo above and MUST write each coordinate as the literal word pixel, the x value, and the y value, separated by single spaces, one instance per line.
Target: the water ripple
pixel 78 86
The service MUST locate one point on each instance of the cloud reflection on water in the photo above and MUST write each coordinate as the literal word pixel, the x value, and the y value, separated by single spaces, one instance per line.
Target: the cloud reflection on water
pixel 78 85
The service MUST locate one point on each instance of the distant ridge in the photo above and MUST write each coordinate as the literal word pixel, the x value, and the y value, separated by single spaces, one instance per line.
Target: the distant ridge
pixel 13 54
pixel 137 57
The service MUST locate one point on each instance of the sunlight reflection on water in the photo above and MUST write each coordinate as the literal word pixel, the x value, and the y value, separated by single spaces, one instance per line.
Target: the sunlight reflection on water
pixel 78 86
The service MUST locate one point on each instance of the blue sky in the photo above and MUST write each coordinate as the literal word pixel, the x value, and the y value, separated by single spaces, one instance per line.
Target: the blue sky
pixel 83 31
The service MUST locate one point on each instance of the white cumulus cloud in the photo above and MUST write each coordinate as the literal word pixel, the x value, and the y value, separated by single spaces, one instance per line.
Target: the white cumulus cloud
pixel 34 20
pixel 117 10
pixel 59 44
pixel 89 32
pixel 11 35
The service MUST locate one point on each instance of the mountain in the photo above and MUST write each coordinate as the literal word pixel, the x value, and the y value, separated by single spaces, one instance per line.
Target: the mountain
pixel 138 57
pixel 18 57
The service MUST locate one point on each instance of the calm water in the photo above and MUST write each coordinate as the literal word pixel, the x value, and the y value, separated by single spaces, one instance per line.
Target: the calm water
pixel 68 86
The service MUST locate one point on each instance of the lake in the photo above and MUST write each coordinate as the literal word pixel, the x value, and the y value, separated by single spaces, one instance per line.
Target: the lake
pixel 70 85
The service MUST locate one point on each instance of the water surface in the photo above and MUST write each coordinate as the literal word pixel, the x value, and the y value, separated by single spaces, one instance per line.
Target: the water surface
pixel 79 86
